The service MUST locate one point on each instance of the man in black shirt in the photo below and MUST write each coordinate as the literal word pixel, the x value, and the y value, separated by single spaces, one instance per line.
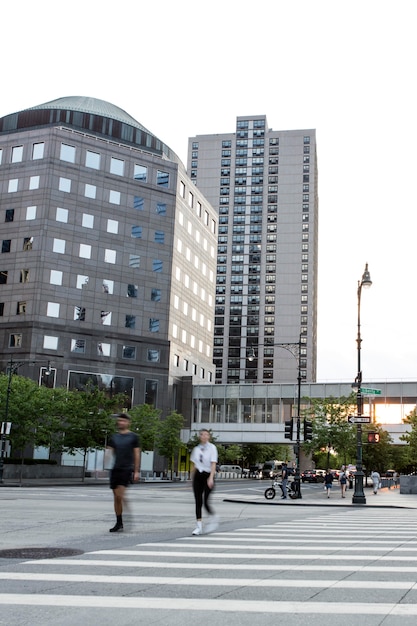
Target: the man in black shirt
pixel 126 454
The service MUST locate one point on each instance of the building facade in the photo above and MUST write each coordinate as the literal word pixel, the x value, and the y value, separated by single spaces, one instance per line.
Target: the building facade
pixel 264 186
pixel 108 255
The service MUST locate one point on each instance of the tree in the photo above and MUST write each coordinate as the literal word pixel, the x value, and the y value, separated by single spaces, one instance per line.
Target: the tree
pixel 331 429
pixel 169 440
pixel 411 438
pixel 377 455
pixel 146 423
pixel 87 421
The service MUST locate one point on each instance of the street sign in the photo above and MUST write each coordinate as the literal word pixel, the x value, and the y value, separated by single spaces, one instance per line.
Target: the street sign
pixel 359 419
pixel 370 391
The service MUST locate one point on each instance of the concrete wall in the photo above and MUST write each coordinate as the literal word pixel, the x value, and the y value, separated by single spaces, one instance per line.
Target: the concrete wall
pixel 408 484
pixel 41 471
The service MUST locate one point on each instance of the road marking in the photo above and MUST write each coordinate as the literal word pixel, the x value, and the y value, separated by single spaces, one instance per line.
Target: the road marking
pixel 211 582
pixel 196 604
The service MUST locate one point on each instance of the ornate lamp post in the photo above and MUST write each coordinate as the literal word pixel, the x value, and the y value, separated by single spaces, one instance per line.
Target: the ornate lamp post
pixel 359 496
pixel 295 349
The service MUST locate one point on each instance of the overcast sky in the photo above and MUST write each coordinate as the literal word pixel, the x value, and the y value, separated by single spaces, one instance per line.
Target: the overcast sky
pixel 347 69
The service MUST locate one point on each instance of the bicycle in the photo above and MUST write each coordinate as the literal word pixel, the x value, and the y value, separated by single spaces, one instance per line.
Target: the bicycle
pixel 270 492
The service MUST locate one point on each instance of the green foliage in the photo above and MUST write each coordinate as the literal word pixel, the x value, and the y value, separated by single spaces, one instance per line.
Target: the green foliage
pixel 331 430
pixel 411 438
pixel 168 440
pixel 146 423
pixel 195 440
pixel 377 455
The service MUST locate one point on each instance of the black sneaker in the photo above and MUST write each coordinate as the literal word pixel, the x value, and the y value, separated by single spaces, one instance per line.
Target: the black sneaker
pixel 116 528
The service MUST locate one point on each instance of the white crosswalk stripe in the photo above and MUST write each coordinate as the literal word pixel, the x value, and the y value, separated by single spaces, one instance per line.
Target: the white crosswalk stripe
pixel 332 564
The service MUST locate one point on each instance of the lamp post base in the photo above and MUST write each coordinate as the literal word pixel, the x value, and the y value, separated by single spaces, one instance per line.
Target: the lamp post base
pixel 359 496
pixel 359 499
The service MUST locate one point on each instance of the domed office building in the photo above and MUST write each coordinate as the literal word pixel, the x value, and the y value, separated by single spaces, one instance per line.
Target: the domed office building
pixel 102 231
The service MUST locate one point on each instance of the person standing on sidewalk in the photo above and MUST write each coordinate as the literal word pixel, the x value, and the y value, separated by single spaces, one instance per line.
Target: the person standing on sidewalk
pixel 204 457
pixel 376 480
pixel 343 481
pixel 125 449
pixel 328 482
pixel 284 481
pixel 395 478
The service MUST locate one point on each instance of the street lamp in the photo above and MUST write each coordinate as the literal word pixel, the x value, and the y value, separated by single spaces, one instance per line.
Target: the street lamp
pixel 295 350
pixel 359 495
pixel 12 369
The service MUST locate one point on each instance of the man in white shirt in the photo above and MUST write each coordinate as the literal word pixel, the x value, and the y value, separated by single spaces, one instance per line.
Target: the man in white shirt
pixel 204 457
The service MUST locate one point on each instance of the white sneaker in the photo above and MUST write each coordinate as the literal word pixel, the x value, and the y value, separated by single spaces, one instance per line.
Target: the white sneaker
pixel 197 531
pixel 212 524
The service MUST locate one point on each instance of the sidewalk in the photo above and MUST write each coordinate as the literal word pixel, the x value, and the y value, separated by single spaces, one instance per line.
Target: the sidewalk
pixel 385 498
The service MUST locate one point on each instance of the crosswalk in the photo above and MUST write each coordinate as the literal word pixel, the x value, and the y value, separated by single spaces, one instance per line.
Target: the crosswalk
pixel 334 566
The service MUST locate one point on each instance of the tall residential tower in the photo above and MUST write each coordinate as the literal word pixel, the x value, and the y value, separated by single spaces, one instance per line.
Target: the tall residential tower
pixel 264 186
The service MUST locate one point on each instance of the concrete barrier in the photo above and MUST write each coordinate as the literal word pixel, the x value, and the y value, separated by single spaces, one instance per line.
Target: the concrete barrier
pixel 408 484
pixel 14 472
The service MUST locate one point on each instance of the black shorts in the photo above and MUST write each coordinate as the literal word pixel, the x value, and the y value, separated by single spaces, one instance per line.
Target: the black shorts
pixel 120 478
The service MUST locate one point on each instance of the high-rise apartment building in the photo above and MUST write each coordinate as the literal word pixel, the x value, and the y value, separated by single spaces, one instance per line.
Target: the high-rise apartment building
pixel 264 186
pixel 108 255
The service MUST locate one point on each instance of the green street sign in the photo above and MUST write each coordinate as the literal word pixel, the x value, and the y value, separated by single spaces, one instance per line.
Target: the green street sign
pixel 371 392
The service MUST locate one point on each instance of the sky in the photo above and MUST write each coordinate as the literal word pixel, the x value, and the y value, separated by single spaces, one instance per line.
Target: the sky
pixel 346 69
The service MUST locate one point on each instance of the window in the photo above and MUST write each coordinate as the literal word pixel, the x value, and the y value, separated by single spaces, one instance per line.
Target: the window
pixel 24 276
pixel 138 203
pixel 159 236
pixel 64 185
pixel 27 243
pixel 90 191
pixel 140 172
pixel 3 277
pixel 105 317
pixel 136 232
pixel 157 265
pixel 151 391
pixel 34 182
pixel 161 208
pixel 92 159
pixel 108 286
pixel 15 340
pixel 88 220
pixel 31 213
pixel 153 356
pixel 134 260
pixel 17 154
pixel 153 325
pixel 132 291
pixel 1 309
pixel 67 153
pixel 79 313
pixel 110 256
pixel 82 281
pixel 21 308
pixel 117 166
pixel 103 349
pixel 12 187
pixel 162 178
pixel 85 251
pixel 55 277
pixel 50 342
pixel 155 294
pixel 129 352
pixel 6 245
pixel 114 197
pixel 52 309
pixel 112 226
pixel 78 345
pixel 38 150
pixel 61 215
pixel 130 321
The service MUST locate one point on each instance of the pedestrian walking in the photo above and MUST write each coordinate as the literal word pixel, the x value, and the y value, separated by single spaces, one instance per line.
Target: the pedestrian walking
pixel 376 481
pixel 125 449
pixel 328 482
pixel 395 478
pixel 343 481
pixel 204 457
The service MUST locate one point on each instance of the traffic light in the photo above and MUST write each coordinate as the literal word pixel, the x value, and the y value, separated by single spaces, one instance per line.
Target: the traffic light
pixel 308 430
pixel 373 437
pixel 288 429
